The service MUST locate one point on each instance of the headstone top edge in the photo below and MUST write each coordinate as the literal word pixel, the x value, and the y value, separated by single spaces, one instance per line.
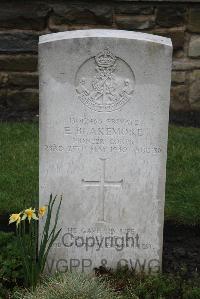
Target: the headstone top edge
pixel 107 33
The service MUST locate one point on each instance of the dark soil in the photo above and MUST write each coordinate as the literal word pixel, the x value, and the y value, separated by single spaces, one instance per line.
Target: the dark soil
pixel 181 249
pixel 4 224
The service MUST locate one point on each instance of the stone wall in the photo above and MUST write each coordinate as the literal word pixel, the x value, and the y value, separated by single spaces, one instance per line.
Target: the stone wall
pixel 21 22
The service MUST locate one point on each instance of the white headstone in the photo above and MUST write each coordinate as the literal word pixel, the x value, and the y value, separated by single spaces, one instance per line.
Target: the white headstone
pixel 104 105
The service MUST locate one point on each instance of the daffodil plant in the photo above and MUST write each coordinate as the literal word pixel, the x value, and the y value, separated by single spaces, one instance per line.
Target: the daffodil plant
pixel 33 252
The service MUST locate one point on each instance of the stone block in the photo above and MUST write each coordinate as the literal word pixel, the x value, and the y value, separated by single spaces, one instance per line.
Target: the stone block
pixel 82 13
pixel 18 62
pixel 23 14
pixel 23 80
pixel 130 8
pixel 179 101
pixel 176 35
pixel 178 77
pixel 178 54
pixel 185 64
pixel 18 42
pixel 194 19
pixel 23 100
pixel 194 90
pixel 3 79
pixel 3 94
pixel 132 22
pixel 194 47
pixel 170 15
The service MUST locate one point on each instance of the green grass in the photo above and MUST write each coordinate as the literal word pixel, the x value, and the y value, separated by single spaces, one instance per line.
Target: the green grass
pixel 19 170
pixel 183 176
pixel 19 165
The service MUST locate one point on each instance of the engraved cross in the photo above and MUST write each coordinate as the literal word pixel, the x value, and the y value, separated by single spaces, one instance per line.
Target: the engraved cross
pixel 102 183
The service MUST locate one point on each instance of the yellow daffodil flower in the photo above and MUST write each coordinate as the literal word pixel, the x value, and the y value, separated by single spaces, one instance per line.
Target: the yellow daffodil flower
pixel 15 218
pixel 42 211
pixel 30 214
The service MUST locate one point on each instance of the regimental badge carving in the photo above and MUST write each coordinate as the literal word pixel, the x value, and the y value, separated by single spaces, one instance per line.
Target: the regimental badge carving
pixel 105 83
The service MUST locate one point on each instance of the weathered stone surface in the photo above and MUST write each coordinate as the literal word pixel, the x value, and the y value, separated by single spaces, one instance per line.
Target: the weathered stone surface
pixel 3 79
pixel 194 46
pixel 81 13
pixel 194 91
pixel 23 14
pixel 178 77
pixel 179 101
pixel 20 80
pixel 18 62
pixel 23 80
pixel 23 100
pixel 65 27
pixel 176 35
pixel 178 54
pixel 18 42
pixel 194 19
pixel 134 22
pixel 185 64
pixel 103 145
pixel 130 8
pixel 45 15
pixel 3 93
pixel 170 15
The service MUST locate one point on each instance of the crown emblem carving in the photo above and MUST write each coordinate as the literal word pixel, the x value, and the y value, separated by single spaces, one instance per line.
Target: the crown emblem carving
pixel 105 58
pixel 105 82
